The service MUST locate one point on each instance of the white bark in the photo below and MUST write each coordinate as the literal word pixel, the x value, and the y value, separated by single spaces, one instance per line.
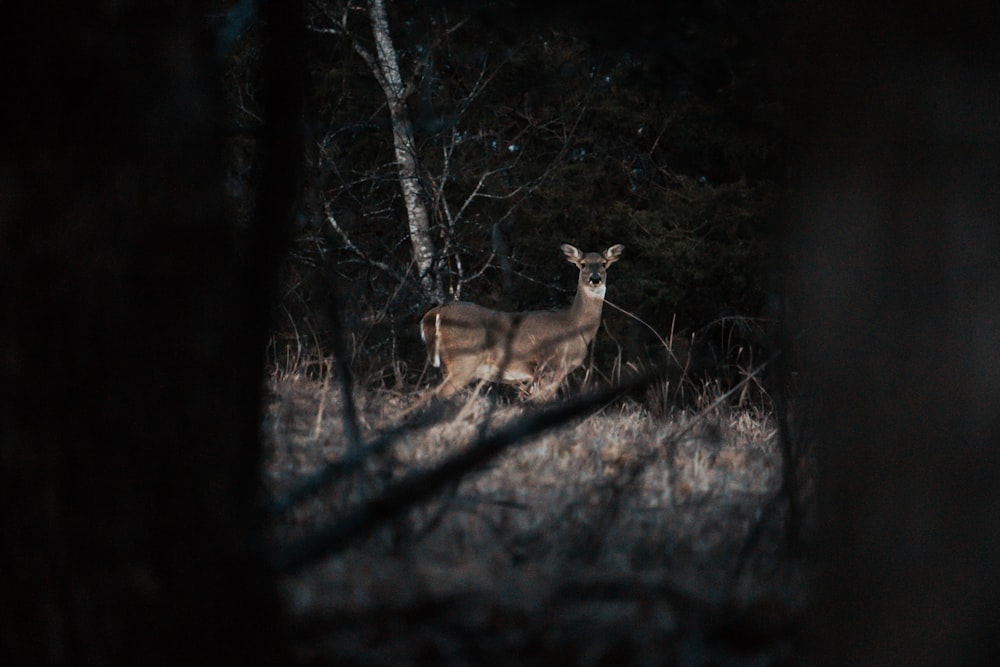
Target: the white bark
pixel 386 70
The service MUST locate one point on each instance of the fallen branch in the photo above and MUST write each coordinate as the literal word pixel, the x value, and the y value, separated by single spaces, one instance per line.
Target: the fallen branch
pixel 398 497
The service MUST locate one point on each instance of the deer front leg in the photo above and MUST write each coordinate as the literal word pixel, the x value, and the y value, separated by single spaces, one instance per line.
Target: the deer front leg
pixel 547 384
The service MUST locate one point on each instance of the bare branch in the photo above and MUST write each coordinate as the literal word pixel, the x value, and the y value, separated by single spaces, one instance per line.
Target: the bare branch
pixel 353 247
pixel 339 28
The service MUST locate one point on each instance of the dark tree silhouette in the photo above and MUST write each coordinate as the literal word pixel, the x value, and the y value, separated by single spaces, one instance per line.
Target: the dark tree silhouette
pixel 896 241
pixel 132 328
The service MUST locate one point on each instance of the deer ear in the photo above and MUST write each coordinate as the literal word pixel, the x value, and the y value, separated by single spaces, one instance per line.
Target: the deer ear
pixel 572 253
pixel 612 254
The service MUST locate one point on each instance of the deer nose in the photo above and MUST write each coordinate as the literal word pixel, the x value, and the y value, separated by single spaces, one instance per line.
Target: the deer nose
pixel 595 279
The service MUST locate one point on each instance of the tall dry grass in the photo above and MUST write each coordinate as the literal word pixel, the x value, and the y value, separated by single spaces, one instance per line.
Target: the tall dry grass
pixel 635 533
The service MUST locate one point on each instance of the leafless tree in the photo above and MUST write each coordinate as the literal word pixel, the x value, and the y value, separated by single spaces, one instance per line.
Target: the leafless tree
pixel 451 174
pixel 384 66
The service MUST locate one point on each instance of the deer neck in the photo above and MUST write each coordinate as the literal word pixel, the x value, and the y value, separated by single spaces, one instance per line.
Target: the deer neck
pixel 586 310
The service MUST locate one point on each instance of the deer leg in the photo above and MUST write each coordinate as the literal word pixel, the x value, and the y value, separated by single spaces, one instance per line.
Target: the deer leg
pixel 457 375
pixel 547 385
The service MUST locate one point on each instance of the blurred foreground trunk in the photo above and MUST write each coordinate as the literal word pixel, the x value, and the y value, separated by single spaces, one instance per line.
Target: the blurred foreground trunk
pixel 130 350
pixel 898 245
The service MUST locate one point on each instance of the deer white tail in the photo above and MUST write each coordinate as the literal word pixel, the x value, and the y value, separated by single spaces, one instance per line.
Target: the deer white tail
pixel 435 350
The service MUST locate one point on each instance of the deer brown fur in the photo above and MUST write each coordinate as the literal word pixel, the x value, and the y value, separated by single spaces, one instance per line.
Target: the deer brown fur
pixel 541 348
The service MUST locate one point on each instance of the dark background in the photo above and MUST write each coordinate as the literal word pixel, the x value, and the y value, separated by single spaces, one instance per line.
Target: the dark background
pixel 137 303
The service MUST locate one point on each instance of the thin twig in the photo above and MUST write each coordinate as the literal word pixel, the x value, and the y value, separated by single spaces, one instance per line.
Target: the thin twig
pixel 643 322
pixel 714 404
pixel 350 245
pixel 343 372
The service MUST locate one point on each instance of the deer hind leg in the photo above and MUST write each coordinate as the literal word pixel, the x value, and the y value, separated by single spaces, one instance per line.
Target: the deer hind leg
pixel 457 374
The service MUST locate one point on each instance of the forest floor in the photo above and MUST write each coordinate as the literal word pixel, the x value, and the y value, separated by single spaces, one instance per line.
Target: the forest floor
pixel 627 536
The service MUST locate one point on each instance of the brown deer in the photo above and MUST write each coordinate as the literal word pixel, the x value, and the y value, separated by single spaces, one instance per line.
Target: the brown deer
pixel 538 348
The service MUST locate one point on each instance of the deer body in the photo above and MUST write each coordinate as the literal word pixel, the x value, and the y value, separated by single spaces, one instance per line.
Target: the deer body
pixel 470 342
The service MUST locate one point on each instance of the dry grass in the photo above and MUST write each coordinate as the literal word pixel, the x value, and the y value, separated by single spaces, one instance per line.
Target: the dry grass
pixel 619 537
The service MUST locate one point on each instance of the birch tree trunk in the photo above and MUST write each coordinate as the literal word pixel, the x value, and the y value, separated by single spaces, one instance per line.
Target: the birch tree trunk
pixel 387 72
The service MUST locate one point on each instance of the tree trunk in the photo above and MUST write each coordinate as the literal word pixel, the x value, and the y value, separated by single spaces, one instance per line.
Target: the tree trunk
pixel 391 81
pixel 130 351
pixel 896 117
